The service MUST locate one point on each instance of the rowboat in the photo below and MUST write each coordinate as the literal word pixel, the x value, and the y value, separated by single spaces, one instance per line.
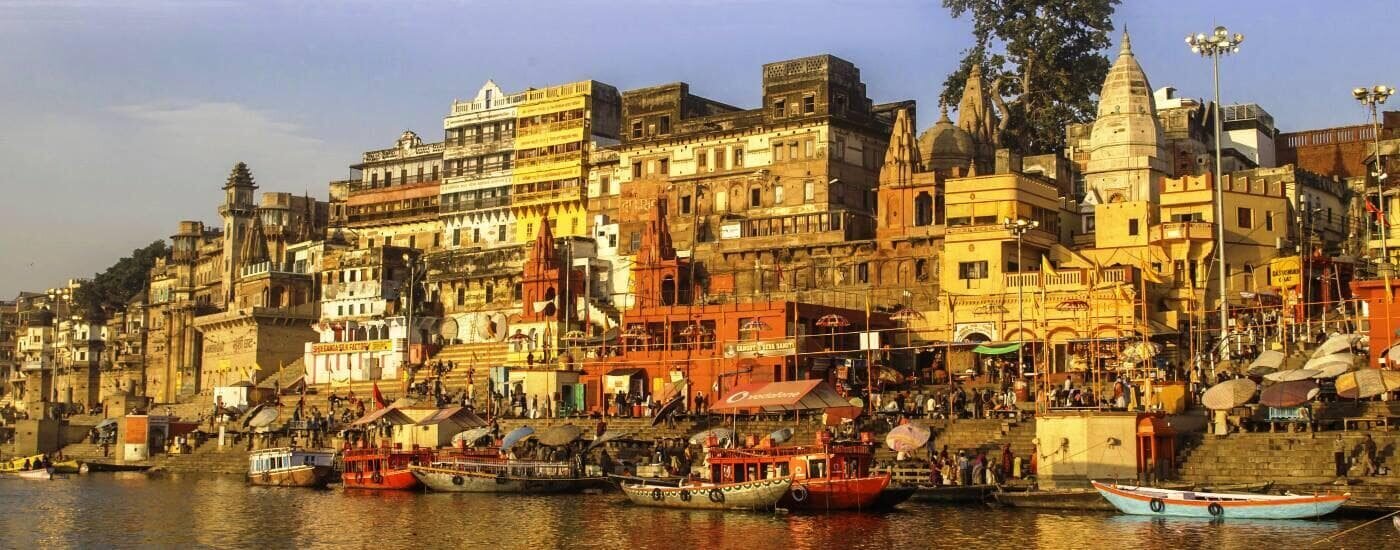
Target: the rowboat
pixel 41 474
pixel 288 467
pixel 760 494
pixel 1148 501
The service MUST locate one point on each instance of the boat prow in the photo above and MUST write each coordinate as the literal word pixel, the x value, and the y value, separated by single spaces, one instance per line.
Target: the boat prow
pixel 1149 501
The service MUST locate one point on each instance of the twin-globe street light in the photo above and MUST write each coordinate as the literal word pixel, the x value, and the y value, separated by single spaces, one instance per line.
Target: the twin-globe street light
pixel 1019 227
pixel 1218 43
pixel 1371 98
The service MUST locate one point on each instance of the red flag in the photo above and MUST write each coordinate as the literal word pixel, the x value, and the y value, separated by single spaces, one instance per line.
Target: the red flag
pixel 379 402
pixel 1371 208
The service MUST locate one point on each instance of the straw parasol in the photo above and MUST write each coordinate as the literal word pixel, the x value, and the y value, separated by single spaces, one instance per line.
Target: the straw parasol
pixel 1288 394
pixel 470 437
pixel 1331 371
pixel 1322 361
pixel 560 435
pixel 1367 383
pixel 907 438
pixel 1229 394
pixel 1337 344
pixel 1291 375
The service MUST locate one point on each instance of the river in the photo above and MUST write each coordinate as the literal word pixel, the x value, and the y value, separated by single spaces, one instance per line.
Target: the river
pixel 131 510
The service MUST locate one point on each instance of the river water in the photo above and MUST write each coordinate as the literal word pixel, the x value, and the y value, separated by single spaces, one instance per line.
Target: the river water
pixel 129 510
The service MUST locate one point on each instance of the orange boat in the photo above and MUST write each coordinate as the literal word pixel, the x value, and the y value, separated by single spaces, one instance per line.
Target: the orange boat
pixel 382 468
pixel 825 476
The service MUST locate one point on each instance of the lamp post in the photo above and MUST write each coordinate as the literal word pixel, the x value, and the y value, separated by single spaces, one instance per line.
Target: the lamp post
pixel 1218 43
pixel 1371 98
pixel 411 282
pixel 1019 227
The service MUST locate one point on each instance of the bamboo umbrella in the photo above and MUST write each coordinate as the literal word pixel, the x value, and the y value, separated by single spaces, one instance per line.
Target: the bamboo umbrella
pixel 1229 394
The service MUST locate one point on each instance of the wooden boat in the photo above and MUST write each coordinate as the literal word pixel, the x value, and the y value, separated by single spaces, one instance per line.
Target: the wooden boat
pixel 482 474
pixel 20 463
pixel 102 466
pixel 1148 501
pixel 1059 499
pixel 71 466
pixel 825 476
pixel 40 474
pixel 953 494
pixel 289 467
pixel 759 494
pixel 382 468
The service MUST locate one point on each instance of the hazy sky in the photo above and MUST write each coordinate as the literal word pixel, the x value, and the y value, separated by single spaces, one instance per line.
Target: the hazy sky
pixel 120 118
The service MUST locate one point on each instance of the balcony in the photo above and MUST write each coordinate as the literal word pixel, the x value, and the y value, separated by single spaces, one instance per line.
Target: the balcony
pixel 472 205
pixel 1182 231
pixel 406 215
pixel 364 186
pixel 486 145
pixel 272 267
pixel 566 194
pixel 1064 280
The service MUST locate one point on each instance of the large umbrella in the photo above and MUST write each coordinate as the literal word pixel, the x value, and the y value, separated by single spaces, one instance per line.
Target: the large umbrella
pixel 606 437
pixel 1332 371
pixel 1367 383
pixel 559 436
pixel 1271 359
pixel 1288 394
pixel 907 314
pixel 1229 394
pixel 668 409
pixel 1337 344
pixel 1323 361
pixel 1291 375
pixel 724 435
pixel 779 437
pixel 262 416
pixel 470 437
pixel 515 436
pixel 907 438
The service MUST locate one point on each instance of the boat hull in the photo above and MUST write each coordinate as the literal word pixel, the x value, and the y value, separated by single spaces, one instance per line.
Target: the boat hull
pixel 389 480
pixel 298 476
pixel 953 494
pixel 34 475
pixel 1136 501
pixel 1072 499
pixel 447 480
pixel 835 494
pixel 750 495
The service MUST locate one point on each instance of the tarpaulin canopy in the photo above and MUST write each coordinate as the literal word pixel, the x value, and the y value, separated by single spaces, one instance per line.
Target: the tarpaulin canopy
pixel 781 396
pixel 460 415
pixel 985 349
pixel 392 414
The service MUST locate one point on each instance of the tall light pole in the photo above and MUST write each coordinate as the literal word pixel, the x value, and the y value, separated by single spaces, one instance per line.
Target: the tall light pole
pixel 1371 98
pixel 411 262
pixel 1019 227
pixel 1214 45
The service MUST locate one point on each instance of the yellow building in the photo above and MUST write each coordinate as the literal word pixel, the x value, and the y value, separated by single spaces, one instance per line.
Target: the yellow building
pixel 555 130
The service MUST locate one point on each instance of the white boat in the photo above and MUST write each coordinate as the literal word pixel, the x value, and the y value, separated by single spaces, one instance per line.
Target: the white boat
pixel 41 474
pixel 1149 501
pixel 288 467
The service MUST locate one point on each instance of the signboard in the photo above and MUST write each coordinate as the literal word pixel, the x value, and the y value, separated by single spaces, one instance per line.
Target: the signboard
pixel 761 348
pixel 353 347
pixel 1284 272
pixel 731 231
pixel 869 340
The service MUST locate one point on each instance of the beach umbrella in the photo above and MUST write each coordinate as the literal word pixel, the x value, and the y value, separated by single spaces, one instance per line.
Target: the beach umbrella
pixel 907 438
pixel 470 437
pixel 1291 375
pixel 1288 394
pixel 1336 344
pixel 907 314
pixel 1331 371
pixel 832 320
pixel 1229 394
pixel 559 436
pixel 1323 361
pixel 262 418
pixel 606 437
pixel 668 409
pixel 515 436
pixel 1367 383
pixel 780 436
pixel 754 325
pixel 724 435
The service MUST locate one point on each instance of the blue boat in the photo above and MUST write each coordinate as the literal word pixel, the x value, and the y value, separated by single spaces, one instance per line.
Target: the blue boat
pixel 1148 501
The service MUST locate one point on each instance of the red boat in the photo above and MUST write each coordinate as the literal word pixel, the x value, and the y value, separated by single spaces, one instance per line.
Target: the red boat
pixel 825 476
pixel 382 468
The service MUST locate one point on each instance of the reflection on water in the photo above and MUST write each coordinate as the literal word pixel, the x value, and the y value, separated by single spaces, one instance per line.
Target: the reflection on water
pixel 130 510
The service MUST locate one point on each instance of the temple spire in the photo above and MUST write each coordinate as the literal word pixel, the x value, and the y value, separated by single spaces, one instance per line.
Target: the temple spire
pixel 1126 47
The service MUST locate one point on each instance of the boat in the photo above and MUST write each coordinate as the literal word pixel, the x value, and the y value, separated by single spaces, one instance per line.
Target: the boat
pixel 758 494
pixel 20 463
pixel 70 466
pixel 1089 499
pixel 290 467
pixel 382 468
pixel 1149 501
pixel 103 466
pixel 825 476
pixel 953 494
pixel 493 474
pixel 39 474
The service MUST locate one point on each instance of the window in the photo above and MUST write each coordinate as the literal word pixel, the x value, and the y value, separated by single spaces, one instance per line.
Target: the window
pixel 435 172
pixel 388 179
pixel 490 293
pixel 863 272
pixel 636 128
pixel 702 159
pixel 663 166
pixel 476 234
pixel 501 233
pixel 665 124
pixel 636 169
pixel 461 295
pixel 778 151
pixel 340 310
pixel 604 185
pixel 840 103
pixel 1245 217
pixel 792 150
pixel 374 180
pixel 778 195
pixel 413 241
pixel 719 159
pixel 685 204
pixel 809 147
pixel 1268 220
pixel 809 104
pixel 779 108
pixel 809 191
pixel 755 197
pixel 1133 226
pixel 738 157
pixel 972 270
pixel 529 230
pixel 437 239
pixel 839 153
pixel 634 241
pixel 457 236
pixel 1089 223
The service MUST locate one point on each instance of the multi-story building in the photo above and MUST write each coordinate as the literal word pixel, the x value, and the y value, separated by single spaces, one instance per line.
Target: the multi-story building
pixel 478 166
pixel 9 354
pixel 363 331
pixel 394 201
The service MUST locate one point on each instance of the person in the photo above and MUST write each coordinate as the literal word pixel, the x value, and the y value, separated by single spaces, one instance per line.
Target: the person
pixel 930 406
pixel 979 469
pixel 964 469
pixel 26 464
pixel 1007 458
pixel 1368 455
pixel 605 462
pixel 1339 455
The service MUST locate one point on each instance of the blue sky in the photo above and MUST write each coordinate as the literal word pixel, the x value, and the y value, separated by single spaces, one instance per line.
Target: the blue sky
pixel 121 118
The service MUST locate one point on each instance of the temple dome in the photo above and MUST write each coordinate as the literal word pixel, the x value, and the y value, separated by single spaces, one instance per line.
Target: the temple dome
pixel 945 145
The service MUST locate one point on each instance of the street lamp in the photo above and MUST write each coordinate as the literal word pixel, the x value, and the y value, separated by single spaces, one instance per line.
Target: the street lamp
pixel 1214 45
pixel 409 329
pixel 1019 227
pixel 1371 98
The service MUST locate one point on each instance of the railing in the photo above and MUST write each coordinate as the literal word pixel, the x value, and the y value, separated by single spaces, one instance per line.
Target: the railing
pixel 1069 278
pixel 1182 231
pixel 397 182
pixel 271 267
pixel 1330 136
pixel 552 195
pixel 404 215
pixel 478 204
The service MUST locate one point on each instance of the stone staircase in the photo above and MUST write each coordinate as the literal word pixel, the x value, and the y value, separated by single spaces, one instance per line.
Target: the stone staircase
pixel 1281 458
pixel 208 459
pixel 984 435
pixel 87 451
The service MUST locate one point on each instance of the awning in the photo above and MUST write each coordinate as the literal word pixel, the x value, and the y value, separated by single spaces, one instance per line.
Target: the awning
pixel 799 395
pixel 390 414
pixel 625 372
pixel 997 350
pixel 460 415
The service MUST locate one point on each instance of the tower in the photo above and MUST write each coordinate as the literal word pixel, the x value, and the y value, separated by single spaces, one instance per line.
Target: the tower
pixel 237 212
pixel 975 111
pixel 1126 159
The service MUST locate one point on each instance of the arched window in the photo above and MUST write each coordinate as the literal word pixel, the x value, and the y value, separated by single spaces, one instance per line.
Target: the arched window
pixel 923 209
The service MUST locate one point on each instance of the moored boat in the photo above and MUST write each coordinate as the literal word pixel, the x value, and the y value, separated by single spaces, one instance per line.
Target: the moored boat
pixel 382 468
pixel 290 467
pixel 1148 501
pixel 501 475
pixel 759 494
pixel 825 476
pixel 39 474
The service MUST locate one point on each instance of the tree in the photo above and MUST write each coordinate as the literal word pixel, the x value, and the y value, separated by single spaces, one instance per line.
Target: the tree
pixel 113 288
pixel 1044 61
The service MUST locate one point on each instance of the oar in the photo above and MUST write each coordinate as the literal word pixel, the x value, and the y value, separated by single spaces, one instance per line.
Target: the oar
pixel 1320 541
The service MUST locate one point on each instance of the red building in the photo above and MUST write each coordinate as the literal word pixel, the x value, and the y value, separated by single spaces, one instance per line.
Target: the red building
pixel 1383 315
pixel 671 343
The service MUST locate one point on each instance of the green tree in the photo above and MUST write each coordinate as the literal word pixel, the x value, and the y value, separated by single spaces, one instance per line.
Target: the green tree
pixel 113 288
pixel 1044 61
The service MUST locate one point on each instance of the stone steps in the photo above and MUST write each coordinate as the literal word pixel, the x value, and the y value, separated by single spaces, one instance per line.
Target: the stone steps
pixel 207 458
pixel 1282 458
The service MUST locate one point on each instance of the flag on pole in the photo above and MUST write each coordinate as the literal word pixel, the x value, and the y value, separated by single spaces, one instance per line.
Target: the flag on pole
pixel 1045 266
pixel 1152 276
pixel 379 401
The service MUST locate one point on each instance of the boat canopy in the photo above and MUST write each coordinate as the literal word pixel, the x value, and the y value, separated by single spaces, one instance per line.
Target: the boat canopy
pixel 459 415
pixel 797 395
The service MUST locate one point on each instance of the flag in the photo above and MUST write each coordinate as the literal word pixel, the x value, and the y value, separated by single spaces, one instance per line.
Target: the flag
pixel 379 401
pixel 1376 213
pixel 1152 276
pixel 1045 266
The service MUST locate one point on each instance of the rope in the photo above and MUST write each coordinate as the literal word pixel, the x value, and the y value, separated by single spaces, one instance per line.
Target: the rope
pixel 1320 541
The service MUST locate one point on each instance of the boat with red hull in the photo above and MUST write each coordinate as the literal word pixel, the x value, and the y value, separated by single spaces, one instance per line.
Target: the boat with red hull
pixel 382 468
pixel 825 476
